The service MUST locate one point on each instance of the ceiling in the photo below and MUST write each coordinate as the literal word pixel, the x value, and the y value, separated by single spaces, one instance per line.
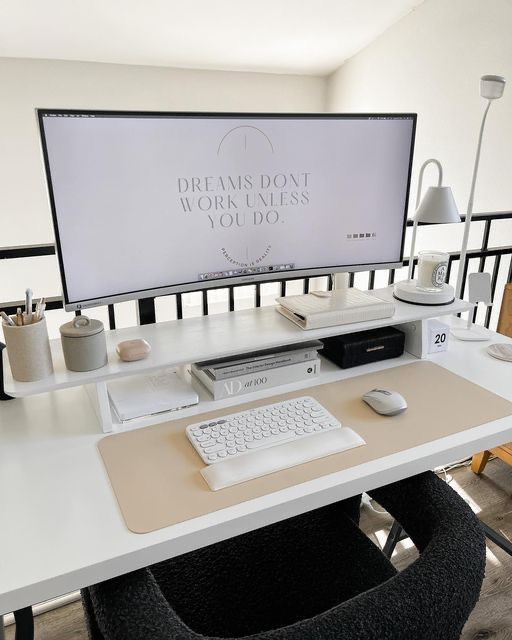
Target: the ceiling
pixel 277 36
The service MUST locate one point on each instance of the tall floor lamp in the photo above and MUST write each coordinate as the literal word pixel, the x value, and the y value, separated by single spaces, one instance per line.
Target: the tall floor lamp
pixel 491 88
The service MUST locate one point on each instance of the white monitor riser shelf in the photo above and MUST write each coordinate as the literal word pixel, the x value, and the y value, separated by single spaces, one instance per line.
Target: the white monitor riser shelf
pixel 180 342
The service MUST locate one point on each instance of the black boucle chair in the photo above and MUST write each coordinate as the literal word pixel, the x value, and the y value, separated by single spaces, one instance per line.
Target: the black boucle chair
pixel 313 577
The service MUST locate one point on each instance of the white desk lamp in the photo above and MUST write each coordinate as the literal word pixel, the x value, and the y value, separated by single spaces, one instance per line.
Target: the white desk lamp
pixel 438 206
pixel 491 88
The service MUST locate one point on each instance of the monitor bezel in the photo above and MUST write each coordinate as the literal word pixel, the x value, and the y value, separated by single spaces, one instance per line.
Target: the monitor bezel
pixel 220 283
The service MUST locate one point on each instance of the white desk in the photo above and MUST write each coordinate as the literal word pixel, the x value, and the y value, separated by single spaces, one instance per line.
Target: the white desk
pixel 62 528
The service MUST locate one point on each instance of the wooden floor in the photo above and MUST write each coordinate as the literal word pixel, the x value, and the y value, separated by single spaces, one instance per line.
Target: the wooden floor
pixel 490 496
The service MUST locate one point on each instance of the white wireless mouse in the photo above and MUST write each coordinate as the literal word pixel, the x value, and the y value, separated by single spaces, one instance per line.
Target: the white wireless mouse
pixel 385 402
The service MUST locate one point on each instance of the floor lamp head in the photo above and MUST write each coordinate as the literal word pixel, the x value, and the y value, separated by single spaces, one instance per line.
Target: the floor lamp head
pixel 492 87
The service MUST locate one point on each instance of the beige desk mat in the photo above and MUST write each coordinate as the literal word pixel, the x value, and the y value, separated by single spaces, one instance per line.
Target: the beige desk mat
pixel 154 471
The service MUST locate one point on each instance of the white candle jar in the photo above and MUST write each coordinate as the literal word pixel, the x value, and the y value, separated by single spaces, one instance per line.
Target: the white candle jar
pixel 432 268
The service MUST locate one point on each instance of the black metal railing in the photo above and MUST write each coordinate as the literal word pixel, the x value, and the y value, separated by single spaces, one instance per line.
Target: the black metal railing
pixel 146 306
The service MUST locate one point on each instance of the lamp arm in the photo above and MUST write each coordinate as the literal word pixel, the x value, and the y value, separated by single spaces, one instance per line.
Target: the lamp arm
pixel 418 198
pixel 469 213
pixel 420 177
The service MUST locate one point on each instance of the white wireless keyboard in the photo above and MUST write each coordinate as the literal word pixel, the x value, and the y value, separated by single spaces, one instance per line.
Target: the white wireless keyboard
pixel 250 444
pixel 239 434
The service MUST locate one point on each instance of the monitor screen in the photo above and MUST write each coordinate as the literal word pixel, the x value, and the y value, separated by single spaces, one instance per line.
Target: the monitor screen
pixel 146 204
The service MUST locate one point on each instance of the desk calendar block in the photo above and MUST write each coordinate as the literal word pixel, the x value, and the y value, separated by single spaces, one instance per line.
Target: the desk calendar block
pixel 438 334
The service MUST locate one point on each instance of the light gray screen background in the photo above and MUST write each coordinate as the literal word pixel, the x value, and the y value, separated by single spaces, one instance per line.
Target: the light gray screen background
pixel 139 203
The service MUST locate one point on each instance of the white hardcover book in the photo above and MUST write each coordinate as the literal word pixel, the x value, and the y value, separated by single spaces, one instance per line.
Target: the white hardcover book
pixel 240 385
pixel 342 306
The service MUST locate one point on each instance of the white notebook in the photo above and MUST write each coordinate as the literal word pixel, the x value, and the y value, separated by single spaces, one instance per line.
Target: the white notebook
pixel 145 395
pixel 342 306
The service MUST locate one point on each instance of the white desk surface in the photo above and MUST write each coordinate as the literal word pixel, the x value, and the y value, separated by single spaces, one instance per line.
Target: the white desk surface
pixel 61 526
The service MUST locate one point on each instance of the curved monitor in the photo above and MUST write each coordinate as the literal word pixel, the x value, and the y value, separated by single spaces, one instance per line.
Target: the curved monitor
pixel 147 204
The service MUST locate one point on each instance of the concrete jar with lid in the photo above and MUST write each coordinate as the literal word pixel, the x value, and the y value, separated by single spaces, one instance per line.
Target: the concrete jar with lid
pixel 83 344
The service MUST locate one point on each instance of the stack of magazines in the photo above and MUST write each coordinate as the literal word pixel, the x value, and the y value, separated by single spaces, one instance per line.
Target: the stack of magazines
pixel 259 370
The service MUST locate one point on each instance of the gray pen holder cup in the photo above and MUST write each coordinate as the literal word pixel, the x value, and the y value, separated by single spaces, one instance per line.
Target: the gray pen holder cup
pixel 28 349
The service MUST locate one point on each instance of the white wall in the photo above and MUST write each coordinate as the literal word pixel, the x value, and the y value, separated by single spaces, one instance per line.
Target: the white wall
pixel 27 84
pixel 430 62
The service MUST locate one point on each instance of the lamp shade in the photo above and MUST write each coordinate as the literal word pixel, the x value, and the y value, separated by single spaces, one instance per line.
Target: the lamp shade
pixel 437 207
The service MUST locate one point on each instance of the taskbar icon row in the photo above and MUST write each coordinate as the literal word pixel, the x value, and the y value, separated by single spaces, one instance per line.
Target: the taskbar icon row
pixel 245 271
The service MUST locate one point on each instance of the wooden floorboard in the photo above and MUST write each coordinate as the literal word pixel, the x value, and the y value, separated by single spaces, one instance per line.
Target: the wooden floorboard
pixel 489 494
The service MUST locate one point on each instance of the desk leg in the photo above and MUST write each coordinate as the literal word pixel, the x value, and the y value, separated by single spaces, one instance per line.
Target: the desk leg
pixel 98 396
pixel 24 624
pixel 3 395
pixel 497 538
pixel 397 533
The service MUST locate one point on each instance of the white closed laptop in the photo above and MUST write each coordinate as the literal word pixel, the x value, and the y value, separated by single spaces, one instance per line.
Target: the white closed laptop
pixel 143 395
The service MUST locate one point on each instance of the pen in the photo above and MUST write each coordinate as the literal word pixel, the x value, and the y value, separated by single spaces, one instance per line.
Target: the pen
pixel 28 306
pixel 28 301
pixel 39 311
pixel 7 319
pixel 19 317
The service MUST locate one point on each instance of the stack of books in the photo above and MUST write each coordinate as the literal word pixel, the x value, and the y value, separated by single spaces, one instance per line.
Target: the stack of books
pixel 259 370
